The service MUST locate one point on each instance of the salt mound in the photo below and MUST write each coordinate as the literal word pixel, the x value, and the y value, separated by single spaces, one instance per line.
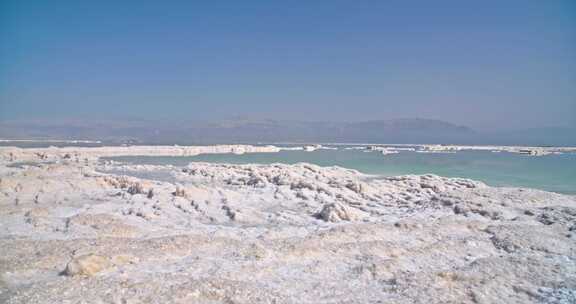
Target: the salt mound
pixel 336 212
pixel 87 265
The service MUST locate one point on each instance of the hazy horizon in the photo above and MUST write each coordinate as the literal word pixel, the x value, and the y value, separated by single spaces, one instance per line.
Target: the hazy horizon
pixel 118 120
pixel 243 130
pixel 488 65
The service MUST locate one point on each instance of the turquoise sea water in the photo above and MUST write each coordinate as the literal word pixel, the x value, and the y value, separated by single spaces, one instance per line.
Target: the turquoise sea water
pixel 551 172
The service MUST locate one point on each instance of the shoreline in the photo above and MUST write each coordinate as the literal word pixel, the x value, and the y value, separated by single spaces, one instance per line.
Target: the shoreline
pixel 94 154
pixel 177 150
pixel 83 230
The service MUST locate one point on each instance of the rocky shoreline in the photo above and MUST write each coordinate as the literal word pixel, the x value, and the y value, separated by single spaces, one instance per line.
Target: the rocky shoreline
pixel 75 229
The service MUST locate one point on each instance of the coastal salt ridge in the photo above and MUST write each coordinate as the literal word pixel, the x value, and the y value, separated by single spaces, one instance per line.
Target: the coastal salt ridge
pixel 105 231
pixel 93 153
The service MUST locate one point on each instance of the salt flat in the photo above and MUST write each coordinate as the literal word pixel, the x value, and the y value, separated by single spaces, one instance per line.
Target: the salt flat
pixel 74 229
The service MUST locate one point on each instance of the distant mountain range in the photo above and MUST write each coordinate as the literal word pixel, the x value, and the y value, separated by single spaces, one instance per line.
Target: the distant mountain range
pixel 407 130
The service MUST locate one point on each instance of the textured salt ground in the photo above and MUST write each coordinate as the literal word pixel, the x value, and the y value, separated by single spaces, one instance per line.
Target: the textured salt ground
pixel 276 234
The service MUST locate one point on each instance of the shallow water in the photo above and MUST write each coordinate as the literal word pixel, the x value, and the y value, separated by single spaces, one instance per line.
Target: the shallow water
pixel 551 172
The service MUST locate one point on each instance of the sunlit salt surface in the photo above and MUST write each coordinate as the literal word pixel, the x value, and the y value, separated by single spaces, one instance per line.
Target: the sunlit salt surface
pixel 551 172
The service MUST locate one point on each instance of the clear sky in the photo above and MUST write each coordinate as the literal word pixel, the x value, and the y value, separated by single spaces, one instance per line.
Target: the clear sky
pixel 486 64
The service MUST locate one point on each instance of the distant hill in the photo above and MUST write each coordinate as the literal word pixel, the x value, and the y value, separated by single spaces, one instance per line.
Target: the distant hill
pixel 396 130
pixel 406 130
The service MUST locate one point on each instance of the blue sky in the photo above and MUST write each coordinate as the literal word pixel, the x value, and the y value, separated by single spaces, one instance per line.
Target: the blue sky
pixel 486 64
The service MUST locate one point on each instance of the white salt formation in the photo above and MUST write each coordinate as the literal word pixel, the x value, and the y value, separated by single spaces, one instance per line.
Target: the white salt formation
pixel 91 154
pixel 76 230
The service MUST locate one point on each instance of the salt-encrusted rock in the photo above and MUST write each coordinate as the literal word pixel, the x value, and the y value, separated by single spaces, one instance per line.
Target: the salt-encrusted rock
pixel 354 186
pixel 180 192
pixel 87 265
pixel 435 186
pixel 335 212
pixel 136 188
